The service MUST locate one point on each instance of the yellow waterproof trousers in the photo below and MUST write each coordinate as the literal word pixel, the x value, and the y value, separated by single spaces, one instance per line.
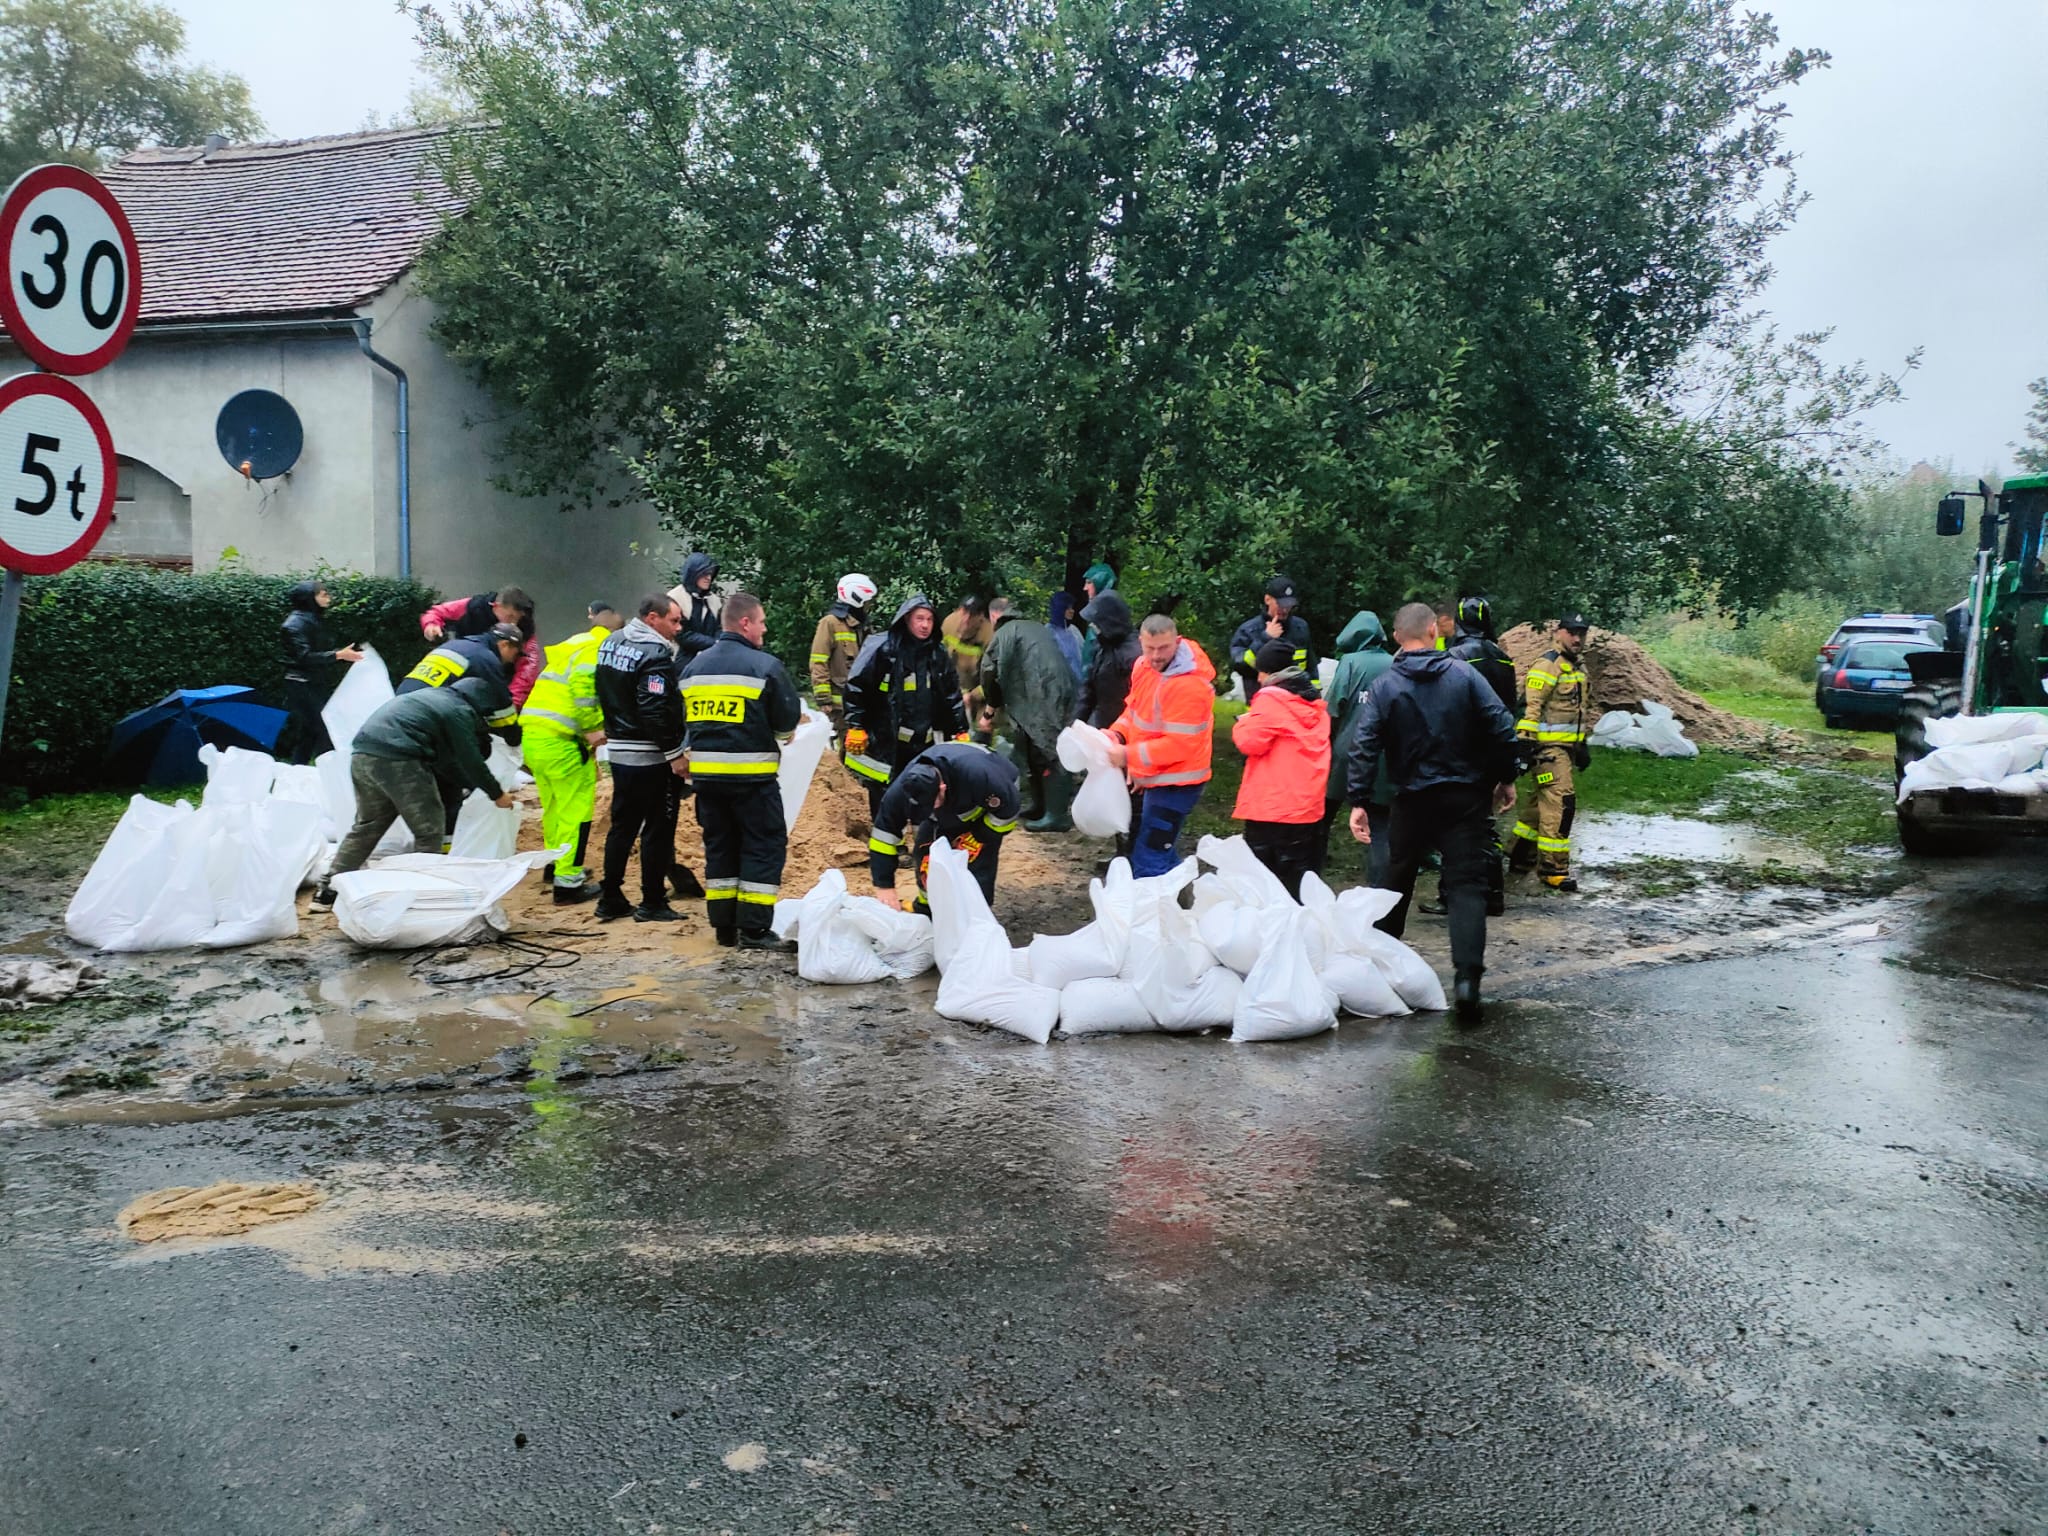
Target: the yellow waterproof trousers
pixel 565 774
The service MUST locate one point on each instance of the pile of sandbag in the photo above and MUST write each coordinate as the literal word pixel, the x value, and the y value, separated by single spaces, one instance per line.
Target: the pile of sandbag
pixel 1245 954
pixel 1997 752
pixel 1656 730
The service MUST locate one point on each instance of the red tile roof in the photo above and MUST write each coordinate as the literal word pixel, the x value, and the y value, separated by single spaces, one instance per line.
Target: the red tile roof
pixel 300 228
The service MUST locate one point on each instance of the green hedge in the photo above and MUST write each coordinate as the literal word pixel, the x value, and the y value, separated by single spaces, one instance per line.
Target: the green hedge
pixel 100 641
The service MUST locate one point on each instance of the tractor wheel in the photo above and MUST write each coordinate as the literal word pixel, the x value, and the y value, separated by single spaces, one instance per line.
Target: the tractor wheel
pixel 1920 704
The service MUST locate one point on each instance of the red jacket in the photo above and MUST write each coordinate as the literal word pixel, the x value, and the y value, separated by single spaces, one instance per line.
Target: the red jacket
pixel 1285 739
pixel 461 615
pixel 1168 719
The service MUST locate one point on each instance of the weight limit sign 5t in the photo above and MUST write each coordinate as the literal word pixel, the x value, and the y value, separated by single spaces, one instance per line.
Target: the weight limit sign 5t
pixel 73 286
pixel 57 474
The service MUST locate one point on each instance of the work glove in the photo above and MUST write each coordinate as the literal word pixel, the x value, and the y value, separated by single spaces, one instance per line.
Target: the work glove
pixel 857 742
pixel 1582 756
pixel 964 736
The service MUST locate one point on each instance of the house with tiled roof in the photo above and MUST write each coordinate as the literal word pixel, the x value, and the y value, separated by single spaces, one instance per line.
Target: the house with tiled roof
pixel 288 268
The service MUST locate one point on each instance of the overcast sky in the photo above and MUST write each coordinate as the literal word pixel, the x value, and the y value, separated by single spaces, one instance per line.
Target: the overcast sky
pixel 1924 146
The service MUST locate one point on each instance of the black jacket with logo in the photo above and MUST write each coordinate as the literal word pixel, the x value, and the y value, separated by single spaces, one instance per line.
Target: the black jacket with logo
pixel 981 792
pixel 737 700
pixel 904 692
pixel 637 690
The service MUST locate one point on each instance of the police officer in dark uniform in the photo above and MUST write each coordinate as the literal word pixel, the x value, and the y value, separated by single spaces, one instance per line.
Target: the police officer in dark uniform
pixel 739 705
pixel 960 791
pixel 1276 620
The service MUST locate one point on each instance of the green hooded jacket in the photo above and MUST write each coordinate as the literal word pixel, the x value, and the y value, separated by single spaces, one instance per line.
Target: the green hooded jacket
pixel 1362 655
pixel 1025 675
pixel 1105 581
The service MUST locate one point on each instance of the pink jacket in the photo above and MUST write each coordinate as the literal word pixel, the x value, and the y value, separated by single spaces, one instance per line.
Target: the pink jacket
pixel 524 671
pixel 1285 739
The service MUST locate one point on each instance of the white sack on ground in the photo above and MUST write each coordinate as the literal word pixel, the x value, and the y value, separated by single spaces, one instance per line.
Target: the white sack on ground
pixel 828 947
pixel 236 776
pixel 483 828
pixel 800 756
pixel 1231 931
pixel 1361 987
pixel 1103 1005
pixel 257 855
pixel 1969 730
pixel 1283 998
pixel 1656 730
pixel 977 987
pixel 902 940
pixel 1057 960
pixel 363 690
pixel 1241 872
pixel 1102 806
pixel 958 907
pixel 428 898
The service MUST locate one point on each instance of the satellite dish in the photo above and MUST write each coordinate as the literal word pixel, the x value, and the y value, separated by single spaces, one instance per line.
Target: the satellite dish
pixel 259 434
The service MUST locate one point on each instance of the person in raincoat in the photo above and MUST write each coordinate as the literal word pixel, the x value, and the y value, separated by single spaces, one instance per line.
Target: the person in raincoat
pixel 1024 674
pixel 1362 655
pixel 1060 615
pixel 1096 580
pixel 902 696
pixel 697 595
pixel 1285 738
pixel 309 656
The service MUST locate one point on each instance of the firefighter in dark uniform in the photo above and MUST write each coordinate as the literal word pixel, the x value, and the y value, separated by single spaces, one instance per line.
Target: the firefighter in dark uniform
pixel 960 791
pixel 1276 620
pixel 1472 641
pixel 902 696
pixel 1552 729
pixel 489 658
pixel 740 705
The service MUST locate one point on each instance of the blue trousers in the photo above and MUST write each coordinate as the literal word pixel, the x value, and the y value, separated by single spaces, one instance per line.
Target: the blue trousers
pixel 1161 814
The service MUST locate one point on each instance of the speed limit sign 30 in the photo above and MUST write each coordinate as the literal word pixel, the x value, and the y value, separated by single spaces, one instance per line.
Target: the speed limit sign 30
pixel 73 284
pixel 57 474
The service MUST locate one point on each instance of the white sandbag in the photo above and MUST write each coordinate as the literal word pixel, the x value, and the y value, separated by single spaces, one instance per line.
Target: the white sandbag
pixel 785 921
pixel 364 689
pixel 1103 1005
pixel 303 783
pixel 1232 932
pixel 483 828
pixel 800 757
pixel 1656 730
pixel 1241 872
pixel 829 947
pixel 1326 673
pixel 1057 960
pixel 147 888
pixel 1210 892
pixel 1358 909
pixel 1973 765
pixel 257 855
pixel 1102 805
pixel 1020 963
pixel 1616 730
pixel 1406 970
pixel 1208 1002
pixel 1282 998
pixel 1361 987
pixel 1970 730
pixel 958 907
pixel 236 776
pixel 902 941
pixel 428 898
pixel 977 987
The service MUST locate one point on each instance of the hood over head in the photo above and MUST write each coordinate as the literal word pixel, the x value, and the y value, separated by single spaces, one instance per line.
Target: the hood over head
pixel 696 568
pixel 1058 607
pixel 1111 616
pixel 302 594
pixel 1363 632
pixel 1103 577
pixel 911 604
pixel 480 693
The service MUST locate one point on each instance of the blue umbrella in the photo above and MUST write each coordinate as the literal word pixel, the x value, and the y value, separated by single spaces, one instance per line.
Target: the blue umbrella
pixel 160 744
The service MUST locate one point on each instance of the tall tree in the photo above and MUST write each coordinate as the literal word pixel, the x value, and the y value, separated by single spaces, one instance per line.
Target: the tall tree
pixel 84 80
pixel 2032 448
pixel 1392 295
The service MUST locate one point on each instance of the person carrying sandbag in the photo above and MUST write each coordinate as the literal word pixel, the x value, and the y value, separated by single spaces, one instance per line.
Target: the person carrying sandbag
pixel 960 791
pixel 1162 739
pixel 1285 738
pixel 398 761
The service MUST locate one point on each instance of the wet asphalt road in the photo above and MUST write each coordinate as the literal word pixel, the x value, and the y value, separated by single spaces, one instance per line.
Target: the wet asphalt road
pixel 1750 1244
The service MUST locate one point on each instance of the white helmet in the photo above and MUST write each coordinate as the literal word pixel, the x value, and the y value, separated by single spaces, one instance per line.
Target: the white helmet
pixel 855 590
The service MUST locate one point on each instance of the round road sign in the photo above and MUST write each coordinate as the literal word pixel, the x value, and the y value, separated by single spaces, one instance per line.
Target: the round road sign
pixel 57 474
pixel 74 275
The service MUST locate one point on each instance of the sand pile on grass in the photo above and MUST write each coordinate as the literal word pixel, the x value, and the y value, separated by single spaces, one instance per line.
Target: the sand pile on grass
pixel 1623 674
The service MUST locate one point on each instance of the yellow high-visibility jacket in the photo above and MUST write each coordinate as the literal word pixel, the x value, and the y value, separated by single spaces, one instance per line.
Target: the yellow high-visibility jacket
pixel 1553 703
pixel 564 697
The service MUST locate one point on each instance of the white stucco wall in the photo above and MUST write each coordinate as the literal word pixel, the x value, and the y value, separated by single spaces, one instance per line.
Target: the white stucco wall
pixel 467 534
pixel 161 398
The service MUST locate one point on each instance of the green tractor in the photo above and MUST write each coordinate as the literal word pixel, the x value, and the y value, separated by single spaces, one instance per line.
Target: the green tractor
pixel 1995 662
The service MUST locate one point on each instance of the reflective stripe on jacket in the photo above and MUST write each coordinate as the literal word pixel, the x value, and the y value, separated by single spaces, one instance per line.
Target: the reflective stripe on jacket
pixel 833 647
pixel 564 697
pixel 736 701
pixel 1168 720
pixel 1553 702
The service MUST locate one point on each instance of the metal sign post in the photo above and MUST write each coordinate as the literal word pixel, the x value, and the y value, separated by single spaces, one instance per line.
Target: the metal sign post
pixel 70 294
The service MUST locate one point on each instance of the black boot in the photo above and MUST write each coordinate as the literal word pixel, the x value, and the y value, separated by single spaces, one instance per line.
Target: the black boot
pixel 570 895
pixel 685 883
pixel 611 904
pixel 547 873
pixel 763 939
pixel 656 912
pixel 1561 882
pixel 1465 994
pixel 726 934
pixel 1030 793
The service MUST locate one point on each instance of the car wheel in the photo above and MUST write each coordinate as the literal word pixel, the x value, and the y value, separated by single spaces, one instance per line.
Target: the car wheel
pixel 1834 722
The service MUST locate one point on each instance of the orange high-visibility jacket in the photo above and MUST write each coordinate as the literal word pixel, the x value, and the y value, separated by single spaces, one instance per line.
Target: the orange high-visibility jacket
pixel 1168 719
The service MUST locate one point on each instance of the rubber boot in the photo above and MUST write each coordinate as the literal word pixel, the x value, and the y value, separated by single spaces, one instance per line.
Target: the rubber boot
pixel 1059 804
pixel 1030 790
pixel 1465 994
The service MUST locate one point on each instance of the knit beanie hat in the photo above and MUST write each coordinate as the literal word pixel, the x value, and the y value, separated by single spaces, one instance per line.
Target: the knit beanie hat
pixel 1275 656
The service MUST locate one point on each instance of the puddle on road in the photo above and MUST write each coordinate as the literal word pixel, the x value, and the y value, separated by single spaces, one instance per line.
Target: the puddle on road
pixel 1617 838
